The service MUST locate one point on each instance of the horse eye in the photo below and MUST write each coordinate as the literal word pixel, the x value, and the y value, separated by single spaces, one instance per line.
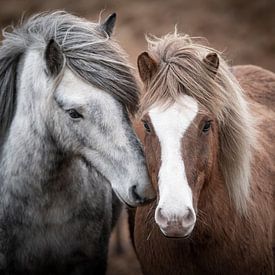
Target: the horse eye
pixel 206 126
pixel 74 114
pixel 146 127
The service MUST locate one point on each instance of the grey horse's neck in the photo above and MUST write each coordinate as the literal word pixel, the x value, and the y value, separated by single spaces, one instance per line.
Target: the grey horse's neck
pixel 29 160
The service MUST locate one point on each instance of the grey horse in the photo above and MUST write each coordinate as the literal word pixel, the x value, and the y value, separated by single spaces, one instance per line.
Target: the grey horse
pixel 66 143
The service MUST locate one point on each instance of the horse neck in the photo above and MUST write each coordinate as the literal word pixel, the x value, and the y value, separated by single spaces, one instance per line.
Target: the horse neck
pixel 29 157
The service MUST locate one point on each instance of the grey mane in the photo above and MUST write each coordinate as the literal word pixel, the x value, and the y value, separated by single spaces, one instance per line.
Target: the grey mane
pixel 89 52
pixel 8 71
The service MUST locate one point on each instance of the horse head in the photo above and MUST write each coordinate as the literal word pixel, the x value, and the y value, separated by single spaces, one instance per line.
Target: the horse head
pixel 75 88
pixel 192 111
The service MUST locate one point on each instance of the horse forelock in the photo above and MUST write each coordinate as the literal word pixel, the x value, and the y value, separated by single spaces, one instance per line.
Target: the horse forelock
pixel 89 52
pixel 181 70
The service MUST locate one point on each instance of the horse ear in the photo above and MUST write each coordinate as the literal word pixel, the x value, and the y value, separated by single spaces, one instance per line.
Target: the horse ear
pixel 54 58
pixel 147 66
pixel 109 23
pixel 212 63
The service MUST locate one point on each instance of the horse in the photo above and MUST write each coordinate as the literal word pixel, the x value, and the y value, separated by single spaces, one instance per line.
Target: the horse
pixel 68 148
pixel 209 131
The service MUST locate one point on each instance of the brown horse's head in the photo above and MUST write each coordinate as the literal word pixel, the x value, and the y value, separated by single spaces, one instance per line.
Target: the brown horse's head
pixel 180 145
pixel 185 122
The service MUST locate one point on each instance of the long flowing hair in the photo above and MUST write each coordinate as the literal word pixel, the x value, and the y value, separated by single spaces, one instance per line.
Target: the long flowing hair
pixel 181 70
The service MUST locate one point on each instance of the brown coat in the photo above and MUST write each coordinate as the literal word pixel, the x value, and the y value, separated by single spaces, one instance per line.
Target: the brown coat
pixel 223 242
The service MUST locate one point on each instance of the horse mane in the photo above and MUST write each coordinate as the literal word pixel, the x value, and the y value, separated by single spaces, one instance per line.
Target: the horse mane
pixel 181 70
pixel 9 58
pixel 88 50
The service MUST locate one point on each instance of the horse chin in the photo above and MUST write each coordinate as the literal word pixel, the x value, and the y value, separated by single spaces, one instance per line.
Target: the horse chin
pixel 128 204
pixel 175 234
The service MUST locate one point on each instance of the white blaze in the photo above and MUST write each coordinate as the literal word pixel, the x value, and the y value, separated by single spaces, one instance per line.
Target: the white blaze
pixel 170 126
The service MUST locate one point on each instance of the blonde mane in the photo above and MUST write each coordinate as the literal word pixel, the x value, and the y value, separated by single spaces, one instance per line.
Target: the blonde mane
pixel 181 70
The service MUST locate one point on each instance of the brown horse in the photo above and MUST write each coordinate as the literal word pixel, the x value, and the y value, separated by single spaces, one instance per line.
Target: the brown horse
pixel 210 149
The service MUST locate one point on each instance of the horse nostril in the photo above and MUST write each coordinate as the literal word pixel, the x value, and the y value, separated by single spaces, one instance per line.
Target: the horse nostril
pixel 135 194
pixel 188 216
pixel 160 218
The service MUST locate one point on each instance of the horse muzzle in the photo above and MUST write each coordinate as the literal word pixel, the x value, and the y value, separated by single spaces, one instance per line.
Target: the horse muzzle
pixel 176 226
pixel 136 196
pixel 142 197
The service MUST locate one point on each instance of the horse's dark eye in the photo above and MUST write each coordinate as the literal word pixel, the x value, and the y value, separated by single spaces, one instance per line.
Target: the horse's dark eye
pixel 146 127
pixel 74 114
pixel 206 126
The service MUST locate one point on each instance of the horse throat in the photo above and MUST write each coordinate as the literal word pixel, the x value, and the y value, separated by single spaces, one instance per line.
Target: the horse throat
pixel 28 160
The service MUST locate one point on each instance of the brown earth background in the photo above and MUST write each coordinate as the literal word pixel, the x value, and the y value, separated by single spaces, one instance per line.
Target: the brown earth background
pixel 243 29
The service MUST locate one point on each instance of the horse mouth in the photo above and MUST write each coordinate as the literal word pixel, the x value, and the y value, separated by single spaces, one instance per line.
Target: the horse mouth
pixel 177 237
pixel 122 200
pixel 183 235
pixel 137 204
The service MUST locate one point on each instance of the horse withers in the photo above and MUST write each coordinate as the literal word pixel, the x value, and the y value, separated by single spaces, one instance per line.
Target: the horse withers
pixel 66 92
pixel 209 145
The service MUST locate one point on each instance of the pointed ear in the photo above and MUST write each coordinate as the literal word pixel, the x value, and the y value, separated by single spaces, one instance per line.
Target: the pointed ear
pixel 212 63
pixel 147 66
pixel 108 25
pixel 54 58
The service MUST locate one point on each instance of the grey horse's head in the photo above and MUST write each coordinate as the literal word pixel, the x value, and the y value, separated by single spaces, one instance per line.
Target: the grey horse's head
pixel 75 81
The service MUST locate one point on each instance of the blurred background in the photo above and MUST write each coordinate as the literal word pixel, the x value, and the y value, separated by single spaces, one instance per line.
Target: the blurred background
pixel 243 29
